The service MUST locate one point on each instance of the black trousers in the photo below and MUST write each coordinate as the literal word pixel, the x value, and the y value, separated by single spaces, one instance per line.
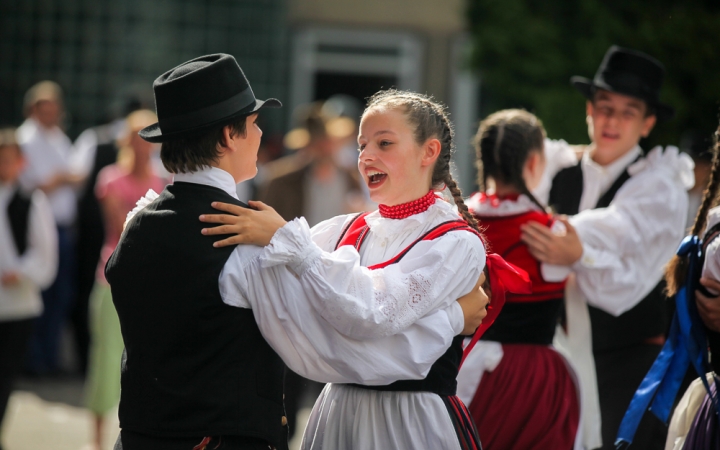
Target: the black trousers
pixel 129 440
pixel 14 337
pixel 619 374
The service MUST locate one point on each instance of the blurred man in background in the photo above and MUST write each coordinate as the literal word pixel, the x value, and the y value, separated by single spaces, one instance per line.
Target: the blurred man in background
pixel 47 151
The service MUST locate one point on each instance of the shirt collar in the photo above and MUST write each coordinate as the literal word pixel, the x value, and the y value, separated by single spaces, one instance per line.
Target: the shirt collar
pixel 210 176
pixel 615 168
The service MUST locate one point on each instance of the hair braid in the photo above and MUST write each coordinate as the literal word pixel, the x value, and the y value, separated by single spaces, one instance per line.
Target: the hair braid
pixel 503 143
pixel 676 269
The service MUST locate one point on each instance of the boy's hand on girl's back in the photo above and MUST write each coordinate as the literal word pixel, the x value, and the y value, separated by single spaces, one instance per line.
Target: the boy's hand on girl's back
pixel 551 248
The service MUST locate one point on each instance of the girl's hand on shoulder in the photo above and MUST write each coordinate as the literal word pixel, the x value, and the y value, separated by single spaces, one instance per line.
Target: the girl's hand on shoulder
pixel 248 226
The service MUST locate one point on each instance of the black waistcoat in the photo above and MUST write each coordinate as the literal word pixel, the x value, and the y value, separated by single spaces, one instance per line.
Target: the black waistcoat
pixel 18 211
pixel 193 366
pixel 647 319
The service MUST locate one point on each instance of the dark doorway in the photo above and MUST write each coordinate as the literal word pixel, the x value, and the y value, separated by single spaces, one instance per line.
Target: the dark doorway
pixel 360 87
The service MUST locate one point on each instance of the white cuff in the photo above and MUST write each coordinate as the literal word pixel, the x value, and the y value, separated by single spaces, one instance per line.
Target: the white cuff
pixel 292 246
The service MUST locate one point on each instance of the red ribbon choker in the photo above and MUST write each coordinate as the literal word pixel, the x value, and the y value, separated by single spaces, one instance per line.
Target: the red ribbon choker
pixel 408 209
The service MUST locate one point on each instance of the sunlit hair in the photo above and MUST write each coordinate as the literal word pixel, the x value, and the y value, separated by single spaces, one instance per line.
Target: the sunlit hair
pixel 44 90
pixel 676 270
pixel 503 143
pixel 429 119
pixel 8 138
pixel 135 121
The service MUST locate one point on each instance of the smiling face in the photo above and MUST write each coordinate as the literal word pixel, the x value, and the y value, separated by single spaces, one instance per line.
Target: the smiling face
pixel 616 123
pixel 394 166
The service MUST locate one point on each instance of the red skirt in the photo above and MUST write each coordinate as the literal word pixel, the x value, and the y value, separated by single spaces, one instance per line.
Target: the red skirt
pixel 528 402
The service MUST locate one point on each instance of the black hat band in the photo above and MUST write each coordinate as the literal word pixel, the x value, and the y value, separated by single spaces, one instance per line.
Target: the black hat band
pixel 209 114
pixel 626 82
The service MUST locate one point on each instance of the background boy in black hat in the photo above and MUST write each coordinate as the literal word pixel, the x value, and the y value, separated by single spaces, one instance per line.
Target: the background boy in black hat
pixel 196 372
pixel 628 217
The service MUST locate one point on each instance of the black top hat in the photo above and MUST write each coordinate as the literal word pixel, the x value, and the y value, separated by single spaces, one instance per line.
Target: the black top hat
pixel 632 73
pixel 200 94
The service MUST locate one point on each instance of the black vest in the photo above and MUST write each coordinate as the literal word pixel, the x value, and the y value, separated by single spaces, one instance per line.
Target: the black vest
pixel 647 319
pixel 18 212
pixel 193 366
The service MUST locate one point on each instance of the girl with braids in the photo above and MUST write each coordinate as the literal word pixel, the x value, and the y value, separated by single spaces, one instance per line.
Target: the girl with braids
pixel 528 412
pixel 694 423
pixel 370 299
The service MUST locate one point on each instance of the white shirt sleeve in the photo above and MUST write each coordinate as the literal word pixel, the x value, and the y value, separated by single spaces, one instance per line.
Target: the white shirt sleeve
pixel 315 349
pixel 626 245
pixel 40 260
pixel 286 309
pixel 83 153
pixel 365 303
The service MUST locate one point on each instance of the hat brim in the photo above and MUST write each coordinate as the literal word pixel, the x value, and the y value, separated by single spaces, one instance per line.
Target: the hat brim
pixel 154 134
pixel 587 87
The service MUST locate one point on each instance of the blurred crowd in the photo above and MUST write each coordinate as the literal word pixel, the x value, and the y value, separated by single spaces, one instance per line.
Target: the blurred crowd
pixel 63 208
pixel 64 204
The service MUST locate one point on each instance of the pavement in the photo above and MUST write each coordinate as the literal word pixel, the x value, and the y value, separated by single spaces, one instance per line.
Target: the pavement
pixel 47 414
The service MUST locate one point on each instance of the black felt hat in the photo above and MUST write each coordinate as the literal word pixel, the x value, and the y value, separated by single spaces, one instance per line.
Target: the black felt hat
pixel 200 94
pixel 632 73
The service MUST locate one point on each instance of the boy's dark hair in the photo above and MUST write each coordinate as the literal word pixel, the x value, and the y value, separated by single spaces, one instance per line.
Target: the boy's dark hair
pixel 192 153
pixel 649 109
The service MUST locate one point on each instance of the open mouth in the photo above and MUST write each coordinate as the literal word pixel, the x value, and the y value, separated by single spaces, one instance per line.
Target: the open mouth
pixel 375 178
pixel 607 135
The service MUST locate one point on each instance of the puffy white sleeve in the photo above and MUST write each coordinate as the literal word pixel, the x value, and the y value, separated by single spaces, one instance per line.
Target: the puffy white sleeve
pixel 39 262
pixel 314 348
pixel 366 304
pixel 626 245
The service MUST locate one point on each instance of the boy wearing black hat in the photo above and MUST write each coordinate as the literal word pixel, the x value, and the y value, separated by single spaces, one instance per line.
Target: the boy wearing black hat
pixel 196 373
pixel 628 216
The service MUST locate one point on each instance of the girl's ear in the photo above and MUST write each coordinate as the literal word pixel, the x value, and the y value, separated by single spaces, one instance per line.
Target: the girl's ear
pixel 431 150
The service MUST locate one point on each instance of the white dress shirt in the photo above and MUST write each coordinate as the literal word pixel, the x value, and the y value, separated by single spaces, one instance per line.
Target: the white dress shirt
pixel 47 152
pixel 625 247
pixel 37 266
pixel 334 320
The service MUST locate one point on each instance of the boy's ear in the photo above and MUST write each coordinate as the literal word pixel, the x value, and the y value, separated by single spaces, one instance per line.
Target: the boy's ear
pixel 648 125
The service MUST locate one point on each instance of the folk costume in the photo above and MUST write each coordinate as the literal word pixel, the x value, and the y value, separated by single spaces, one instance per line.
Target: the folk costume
pixel 629 216
pixel 694 423
pixel 363 321
pixel 102 388
pixel 196 373
pixel 512 410
pixel 47 152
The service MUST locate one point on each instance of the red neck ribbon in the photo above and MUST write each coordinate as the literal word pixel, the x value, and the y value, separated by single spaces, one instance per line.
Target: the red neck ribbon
pixel 504 277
